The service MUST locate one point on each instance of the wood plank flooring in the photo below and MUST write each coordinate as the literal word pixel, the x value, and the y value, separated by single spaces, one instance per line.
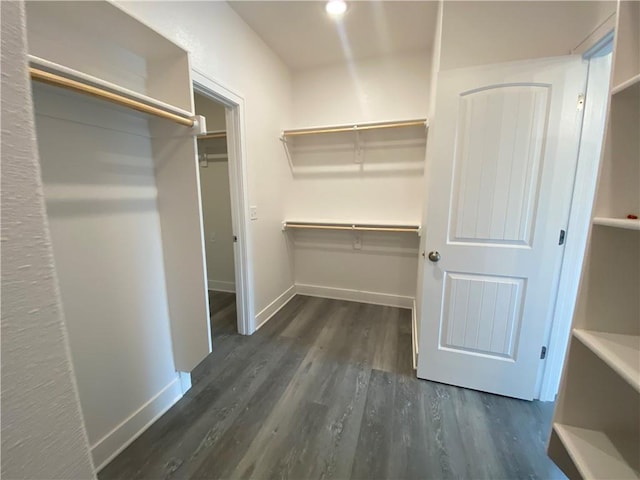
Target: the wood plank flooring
pixel 325 390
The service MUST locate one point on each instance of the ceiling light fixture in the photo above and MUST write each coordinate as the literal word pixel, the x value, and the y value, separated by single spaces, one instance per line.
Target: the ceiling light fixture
pixel 336 8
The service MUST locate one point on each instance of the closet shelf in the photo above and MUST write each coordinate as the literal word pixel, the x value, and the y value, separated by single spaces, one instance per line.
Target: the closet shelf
pixel 354 227
pixel 61 76
pixel 620 352
pixel 594 453
pixel 354 127
pixel 625 223
pixel 621 87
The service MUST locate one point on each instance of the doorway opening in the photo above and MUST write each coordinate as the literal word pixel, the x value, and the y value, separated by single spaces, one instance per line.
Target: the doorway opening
pixel 219 236
pixel 222 177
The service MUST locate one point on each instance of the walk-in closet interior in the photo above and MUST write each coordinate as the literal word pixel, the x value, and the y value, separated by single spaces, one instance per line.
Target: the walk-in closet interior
pixel 216 197
pixel 411 155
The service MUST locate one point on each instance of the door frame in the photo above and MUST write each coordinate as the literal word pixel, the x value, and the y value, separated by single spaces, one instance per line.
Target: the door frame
pixel 582 201
pixel 238 182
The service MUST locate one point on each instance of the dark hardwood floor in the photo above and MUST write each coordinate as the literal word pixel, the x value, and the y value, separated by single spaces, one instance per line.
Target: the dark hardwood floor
pixel 326 390
pixel 222 306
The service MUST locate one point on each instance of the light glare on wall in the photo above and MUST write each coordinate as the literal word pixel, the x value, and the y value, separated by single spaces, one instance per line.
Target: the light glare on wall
pixel 336 8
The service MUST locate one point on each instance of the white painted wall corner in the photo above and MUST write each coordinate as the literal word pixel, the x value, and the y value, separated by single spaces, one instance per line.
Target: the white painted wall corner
pixel 274 307
pixel 185 381
pixel 221 286
pixel 374 298
pixel 114 442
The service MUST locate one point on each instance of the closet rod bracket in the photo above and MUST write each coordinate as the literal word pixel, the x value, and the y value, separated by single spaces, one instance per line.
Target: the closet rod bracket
pixel 199 124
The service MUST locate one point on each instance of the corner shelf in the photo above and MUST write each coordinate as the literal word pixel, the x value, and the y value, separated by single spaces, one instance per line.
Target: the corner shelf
pixel 593 453
pixel 623 86
pixel 625 223
pixel 620 352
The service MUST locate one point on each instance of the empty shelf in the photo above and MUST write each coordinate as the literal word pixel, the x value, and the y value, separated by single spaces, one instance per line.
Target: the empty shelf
pixel 617 222
pixel 620 352
pixel 621 87
pixel 354 227
pixel 594 454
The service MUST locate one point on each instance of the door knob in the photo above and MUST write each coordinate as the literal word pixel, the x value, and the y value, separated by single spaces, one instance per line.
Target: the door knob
pixel 434 256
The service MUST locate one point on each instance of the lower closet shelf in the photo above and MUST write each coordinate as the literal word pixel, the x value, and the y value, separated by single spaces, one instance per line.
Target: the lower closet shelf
pixel 620 352
pixel 626 223
pixel 594 454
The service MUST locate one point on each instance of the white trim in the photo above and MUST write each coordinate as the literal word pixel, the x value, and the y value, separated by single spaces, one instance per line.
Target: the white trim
pixel 114 442
pixel 414 334
pixel 221 286
pixel 238 183
pixel 274 307
pixel 185 381
pixel 355 295
pixel 596 35
pixel 589 154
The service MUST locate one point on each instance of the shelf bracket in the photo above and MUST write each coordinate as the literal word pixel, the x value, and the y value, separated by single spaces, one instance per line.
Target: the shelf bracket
pixel 199 125
pixel 358 151
pixel 283 139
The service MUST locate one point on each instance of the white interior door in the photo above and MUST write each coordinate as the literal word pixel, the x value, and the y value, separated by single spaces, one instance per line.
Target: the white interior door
pixel 503 150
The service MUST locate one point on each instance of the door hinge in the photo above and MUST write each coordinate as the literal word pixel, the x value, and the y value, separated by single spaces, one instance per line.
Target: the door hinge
pixel 581 101
pixel 235 239
pixel 563 235
pixel 543 353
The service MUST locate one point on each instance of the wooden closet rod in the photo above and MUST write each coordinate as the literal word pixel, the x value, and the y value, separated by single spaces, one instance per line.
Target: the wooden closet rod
pixel 59 81
pixel 354 227
pixel 206 136
pixel 355 128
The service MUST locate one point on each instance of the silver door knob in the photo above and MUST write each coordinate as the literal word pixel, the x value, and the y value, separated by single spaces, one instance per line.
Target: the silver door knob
pixel 434 256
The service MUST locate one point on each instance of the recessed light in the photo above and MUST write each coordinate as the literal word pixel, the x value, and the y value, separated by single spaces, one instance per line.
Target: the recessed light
pixel 336 8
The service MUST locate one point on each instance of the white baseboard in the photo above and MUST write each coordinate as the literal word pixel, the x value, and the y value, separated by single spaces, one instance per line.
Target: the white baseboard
pixel 221 286
pixel 273 308
pixel 414 335
pixel 185 381
pixel 355 295
pixel 114 442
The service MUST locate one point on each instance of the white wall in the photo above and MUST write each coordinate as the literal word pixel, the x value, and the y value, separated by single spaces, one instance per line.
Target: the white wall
pixel 378 89
pixel 43 434
pixel 216 201
pixel 480 33
pixel 386 188
pixel 225 49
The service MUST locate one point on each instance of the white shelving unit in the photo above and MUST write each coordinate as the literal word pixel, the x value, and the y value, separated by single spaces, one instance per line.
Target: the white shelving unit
pixel 596 429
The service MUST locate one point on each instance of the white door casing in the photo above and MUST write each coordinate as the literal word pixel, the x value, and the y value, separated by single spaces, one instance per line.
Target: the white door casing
pixel 501 165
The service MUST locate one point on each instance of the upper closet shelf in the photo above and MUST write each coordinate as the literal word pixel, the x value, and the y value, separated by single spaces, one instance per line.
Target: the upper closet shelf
pixel 621 87
pixel 352 227
pixel 626 223
pixel 44 71
pixel 422 122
